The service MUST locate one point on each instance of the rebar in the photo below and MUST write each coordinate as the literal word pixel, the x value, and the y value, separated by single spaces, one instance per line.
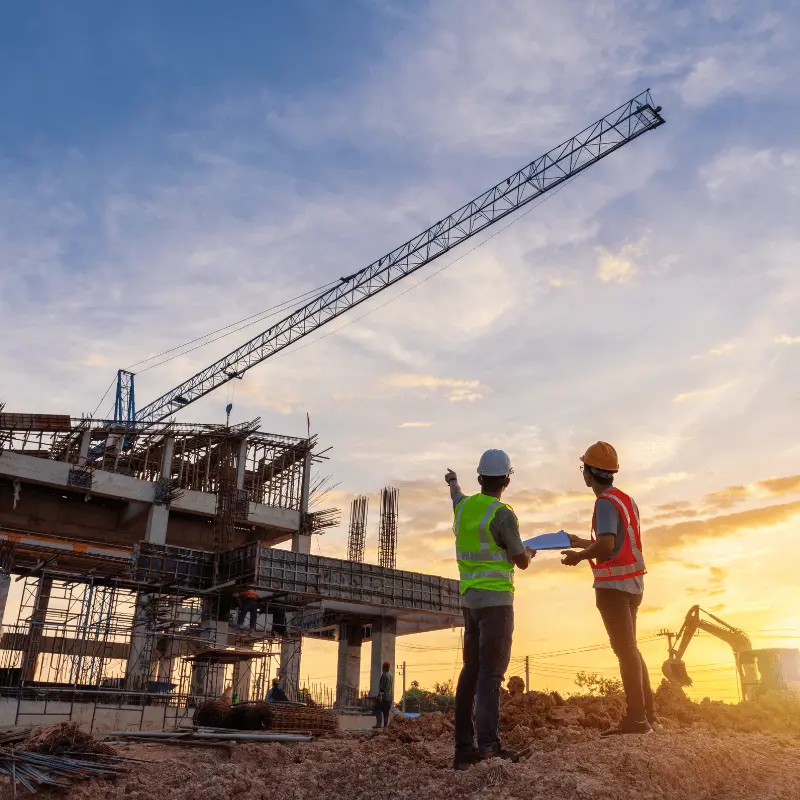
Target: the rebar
pixel 356 538
pixel 387 554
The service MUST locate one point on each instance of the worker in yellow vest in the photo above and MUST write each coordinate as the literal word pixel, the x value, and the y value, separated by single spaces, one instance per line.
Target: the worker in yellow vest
pixel 615 554
pixel 488 546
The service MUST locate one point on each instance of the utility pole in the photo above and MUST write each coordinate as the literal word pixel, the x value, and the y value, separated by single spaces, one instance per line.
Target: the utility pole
pixel 670 638
pixel 403 701
pixel 527 674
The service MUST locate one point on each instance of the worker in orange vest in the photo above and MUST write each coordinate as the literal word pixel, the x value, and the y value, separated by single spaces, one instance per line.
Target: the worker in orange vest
pixel 615 554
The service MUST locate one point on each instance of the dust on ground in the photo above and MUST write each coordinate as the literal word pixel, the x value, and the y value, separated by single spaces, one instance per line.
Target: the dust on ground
pixel 703 751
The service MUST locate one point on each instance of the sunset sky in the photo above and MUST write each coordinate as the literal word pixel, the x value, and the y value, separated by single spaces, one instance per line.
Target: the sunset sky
pixel 164 174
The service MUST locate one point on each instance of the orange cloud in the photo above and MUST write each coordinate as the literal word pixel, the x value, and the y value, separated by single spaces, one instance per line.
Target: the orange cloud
pixel 662 538
pixel 776 487
pixel 727 498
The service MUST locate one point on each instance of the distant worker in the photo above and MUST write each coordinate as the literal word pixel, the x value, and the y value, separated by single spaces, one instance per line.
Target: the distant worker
pixel 488 545
pixel 615 554
pixel 248 604
pixel 276 694
pixel 385 698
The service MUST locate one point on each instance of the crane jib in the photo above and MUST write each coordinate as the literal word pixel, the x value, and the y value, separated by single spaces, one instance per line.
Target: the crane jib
pixel 545 173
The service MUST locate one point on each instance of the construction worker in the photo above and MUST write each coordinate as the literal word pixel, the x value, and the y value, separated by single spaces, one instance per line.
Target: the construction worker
pixel 276 694
pixel 383 702
pixel 488 545
pixel 248 604
pixel 615 554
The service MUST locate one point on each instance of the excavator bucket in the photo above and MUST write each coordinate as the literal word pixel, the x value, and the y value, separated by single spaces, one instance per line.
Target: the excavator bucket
pixel 675 672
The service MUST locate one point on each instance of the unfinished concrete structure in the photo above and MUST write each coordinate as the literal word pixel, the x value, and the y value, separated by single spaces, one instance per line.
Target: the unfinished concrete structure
pixel 136 546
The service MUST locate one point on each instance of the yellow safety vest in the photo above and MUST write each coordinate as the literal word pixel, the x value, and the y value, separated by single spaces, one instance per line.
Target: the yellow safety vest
pixel 481 563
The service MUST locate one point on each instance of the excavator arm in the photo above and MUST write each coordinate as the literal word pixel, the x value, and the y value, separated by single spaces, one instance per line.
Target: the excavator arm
pixel 674 668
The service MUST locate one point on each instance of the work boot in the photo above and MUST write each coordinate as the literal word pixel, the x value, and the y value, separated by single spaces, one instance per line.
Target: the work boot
pixel 464 759
pixel 498 751
pixel 629 726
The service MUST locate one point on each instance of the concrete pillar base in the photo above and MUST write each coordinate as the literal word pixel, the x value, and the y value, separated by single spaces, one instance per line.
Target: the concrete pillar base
pixel 384 634
pixel 348 672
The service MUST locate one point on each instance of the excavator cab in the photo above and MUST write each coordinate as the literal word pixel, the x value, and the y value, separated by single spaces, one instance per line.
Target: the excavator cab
pixel 675 672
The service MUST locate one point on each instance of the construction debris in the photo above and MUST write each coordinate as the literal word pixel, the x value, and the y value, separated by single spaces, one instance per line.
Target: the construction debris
pixel 56 757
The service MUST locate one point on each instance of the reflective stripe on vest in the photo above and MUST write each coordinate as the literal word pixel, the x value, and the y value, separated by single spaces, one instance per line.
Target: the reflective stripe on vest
pixel 482 564
pixel 629 562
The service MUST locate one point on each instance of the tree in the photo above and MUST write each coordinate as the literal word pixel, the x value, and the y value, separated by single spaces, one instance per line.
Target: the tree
pixel 446 689
pixel 597 686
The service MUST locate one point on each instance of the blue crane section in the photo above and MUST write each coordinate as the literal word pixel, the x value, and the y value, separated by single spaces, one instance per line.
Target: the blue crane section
pixel 554 168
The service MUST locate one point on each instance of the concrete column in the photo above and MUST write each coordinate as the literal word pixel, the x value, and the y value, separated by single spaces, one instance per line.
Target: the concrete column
pixel 36 628
pixel 140 655
pixel 166 664
pixel 242 675
pixel 166 457
pixel 241 464
pixel 5 585
pixel 301 543
pixel 157 521
pixel 207 679
pixel 348 671
pixel 289 671
pixel 384 633
pixel 86 440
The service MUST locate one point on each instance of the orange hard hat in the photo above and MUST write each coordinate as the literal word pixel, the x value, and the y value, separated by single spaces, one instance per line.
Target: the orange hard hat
pixel 601 455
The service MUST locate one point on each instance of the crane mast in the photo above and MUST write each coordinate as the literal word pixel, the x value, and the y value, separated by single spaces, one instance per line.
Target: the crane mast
pixel 554 168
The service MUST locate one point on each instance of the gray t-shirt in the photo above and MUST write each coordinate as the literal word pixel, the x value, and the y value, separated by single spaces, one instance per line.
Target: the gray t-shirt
pixel 608 519
pixel 505 532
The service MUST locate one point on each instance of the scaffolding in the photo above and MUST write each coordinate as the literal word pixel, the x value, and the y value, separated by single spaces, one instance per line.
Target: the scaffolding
pixel 81 643
pixel 356 538
pixel 387 553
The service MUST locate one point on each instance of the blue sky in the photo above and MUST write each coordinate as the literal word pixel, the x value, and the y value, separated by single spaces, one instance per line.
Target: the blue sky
pixel 164 173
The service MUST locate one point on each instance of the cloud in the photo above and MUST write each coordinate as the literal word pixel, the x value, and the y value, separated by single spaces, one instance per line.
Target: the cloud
pixel 776 487
pixel 458 390
pixel 739 169
pixel 720 350
pixel 787 339
pixel 727 498
pixel 659 540
pixel 703 394
pixel 415 425
pixel 618 267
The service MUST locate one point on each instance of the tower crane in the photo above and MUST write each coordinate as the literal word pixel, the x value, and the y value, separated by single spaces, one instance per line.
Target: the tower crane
pixel 757 670
pixel 553 169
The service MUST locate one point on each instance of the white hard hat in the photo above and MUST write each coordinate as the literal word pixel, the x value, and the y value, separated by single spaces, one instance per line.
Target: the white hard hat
pixel 495 463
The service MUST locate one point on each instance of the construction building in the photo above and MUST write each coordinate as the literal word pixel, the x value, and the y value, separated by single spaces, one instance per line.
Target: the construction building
pixel 133 552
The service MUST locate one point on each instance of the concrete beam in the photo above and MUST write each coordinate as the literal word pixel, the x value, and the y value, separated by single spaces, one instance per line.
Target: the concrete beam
pixel 68 646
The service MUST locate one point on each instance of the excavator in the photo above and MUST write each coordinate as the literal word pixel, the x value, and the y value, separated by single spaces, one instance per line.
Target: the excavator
pixel 759 671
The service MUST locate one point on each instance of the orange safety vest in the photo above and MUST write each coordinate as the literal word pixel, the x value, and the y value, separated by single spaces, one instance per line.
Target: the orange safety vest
pixel 629 562
pixel 248 594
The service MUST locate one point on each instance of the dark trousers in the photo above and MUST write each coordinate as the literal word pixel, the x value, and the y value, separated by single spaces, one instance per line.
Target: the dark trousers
pixel 618 610
pixel 248 605
pixel 487 651
pixel 382 709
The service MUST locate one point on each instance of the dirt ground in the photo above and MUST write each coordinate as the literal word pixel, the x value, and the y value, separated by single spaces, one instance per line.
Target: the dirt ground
pixel 570 763
pixel 702 751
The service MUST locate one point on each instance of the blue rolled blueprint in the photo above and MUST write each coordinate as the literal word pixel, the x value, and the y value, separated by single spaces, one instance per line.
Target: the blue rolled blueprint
pixel 548 541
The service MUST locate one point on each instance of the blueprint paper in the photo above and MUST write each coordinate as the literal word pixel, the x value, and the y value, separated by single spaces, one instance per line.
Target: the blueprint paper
pixel 548 541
